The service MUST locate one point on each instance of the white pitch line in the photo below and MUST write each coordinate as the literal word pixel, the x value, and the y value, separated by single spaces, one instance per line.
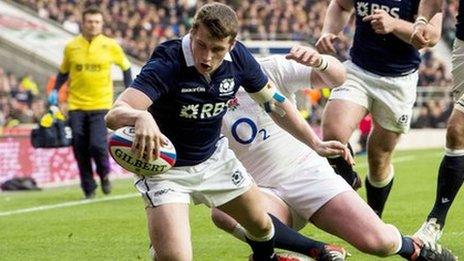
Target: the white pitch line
pixel 67 204
pixel 403 158
pixel 125 196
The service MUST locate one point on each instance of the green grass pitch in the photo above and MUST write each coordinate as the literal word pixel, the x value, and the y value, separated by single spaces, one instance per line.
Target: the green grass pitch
pixel 115 229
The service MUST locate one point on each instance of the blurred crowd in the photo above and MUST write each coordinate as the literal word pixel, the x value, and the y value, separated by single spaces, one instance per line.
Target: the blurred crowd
pixel 20 100
pixel 433 114
pixel 449 20
pixel 140 25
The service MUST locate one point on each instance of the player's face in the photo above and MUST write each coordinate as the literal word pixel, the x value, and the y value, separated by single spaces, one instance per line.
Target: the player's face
pixel 92 25
pixel 208 53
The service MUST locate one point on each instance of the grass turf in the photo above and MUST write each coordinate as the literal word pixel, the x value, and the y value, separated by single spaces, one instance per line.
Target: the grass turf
pixel 105 229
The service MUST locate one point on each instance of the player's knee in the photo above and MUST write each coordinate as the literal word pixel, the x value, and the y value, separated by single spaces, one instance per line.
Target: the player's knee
pixel 382 241
pixel 259 226
pixel 380 244
pixel 455 134
pixel 333 131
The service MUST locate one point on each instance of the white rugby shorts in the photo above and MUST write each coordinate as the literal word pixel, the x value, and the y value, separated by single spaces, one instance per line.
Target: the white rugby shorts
pixel 389 99
pixel 213 182
pixel 457 59
pixel 305 187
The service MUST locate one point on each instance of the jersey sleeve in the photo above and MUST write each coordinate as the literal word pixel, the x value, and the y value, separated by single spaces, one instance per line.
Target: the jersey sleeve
pixel 293 76
pixel 119 58
pixel 254 78
pixel 157 75
pixel 65 65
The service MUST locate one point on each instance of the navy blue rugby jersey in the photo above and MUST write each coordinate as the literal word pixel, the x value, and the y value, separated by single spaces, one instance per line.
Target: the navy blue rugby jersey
pixel 187 107
pixel 386 55
pixel 460 21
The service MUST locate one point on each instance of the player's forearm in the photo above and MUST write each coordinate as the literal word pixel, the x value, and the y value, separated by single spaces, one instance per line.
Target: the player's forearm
pixel 127 77
pixel 294 124
pixel 122 114
pixel 61 78
pixel 333 76
pixel 403 30
pixel 428 8
pixel 336 17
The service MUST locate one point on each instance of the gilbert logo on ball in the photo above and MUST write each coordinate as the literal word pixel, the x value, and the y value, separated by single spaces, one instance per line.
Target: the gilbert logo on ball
pixel 120 143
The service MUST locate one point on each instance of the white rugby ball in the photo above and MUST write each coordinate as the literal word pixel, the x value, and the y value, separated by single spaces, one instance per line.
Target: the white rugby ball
pixel 120 143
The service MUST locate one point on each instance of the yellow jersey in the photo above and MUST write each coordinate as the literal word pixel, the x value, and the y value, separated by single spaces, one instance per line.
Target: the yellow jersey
pixel 89 67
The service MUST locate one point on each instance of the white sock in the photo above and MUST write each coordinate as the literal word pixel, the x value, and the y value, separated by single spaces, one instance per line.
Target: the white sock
pixel 263 238
pixel 239 232
pixel 400 240
pixel 453 153
pixel 383 183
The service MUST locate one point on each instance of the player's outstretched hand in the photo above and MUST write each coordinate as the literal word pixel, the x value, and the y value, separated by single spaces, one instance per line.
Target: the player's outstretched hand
pixel 325 44
pixel 334 148
pixel 420 36
pixel 381 21
pixel 304 55
pixel 148 137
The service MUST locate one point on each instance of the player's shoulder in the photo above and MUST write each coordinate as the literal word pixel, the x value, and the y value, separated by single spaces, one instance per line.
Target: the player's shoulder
pixel 241 55
pixel 169 50
pixel 75 41
pixel 280 64
pixel 239 50
pixel 108 41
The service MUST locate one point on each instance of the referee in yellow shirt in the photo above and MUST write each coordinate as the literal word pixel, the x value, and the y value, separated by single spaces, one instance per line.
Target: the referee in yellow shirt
pixel 87 63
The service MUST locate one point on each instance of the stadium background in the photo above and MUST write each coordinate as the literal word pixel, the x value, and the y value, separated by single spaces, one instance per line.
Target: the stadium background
pixel 33 34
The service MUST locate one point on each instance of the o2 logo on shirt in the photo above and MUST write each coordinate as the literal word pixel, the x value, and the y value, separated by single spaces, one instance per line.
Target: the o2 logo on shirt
pixel 247 123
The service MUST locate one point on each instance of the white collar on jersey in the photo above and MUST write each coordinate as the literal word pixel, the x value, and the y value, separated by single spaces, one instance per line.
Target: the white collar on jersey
pixel 189 55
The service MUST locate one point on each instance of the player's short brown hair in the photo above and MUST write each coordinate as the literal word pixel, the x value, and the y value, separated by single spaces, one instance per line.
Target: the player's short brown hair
pixel 220 20
pixel 91 10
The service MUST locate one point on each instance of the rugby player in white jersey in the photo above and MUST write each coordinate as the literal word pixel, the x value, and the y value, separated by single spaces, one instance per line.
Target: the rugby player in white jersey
pixel 299 185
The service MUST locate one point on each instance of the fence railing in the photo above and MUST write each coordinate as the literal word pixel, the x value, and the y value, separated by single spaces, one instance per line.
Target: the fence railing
pixel 432 93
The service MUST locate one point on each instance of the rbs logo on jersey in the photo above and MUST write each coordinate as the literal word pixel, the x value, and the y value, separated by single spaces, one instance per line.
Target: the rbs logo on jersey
pixel 202 111
pixel 364 9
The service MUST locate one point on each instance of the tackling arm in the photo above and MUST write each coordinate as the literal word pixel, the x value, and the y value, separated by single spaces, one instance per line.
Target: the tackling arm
pixel 327 70
pixel 285 114
pixel 333 76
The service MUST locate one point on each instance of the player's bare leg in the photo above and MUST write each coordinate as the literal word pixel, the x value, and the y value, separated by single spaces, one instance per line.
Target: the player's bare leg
pixel 339 120
pixel 273 205
pixel 169 231
pixel 450 178
pixel 248 211
pixel 379 180
pixel 367 232
pixel 285 238
pixel 364 229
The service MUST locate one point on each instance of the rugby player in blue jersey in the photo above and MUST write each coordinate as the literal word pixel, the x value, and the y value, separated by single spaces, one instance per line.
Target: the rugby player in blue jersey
pixel 451 172
pixel 182 92
pixel 381 79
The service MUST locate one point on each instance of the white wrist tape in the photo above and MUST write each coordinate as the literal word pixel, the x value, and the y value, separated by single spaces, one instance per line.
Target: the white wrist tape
pixel 323 65
pixel 267 97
